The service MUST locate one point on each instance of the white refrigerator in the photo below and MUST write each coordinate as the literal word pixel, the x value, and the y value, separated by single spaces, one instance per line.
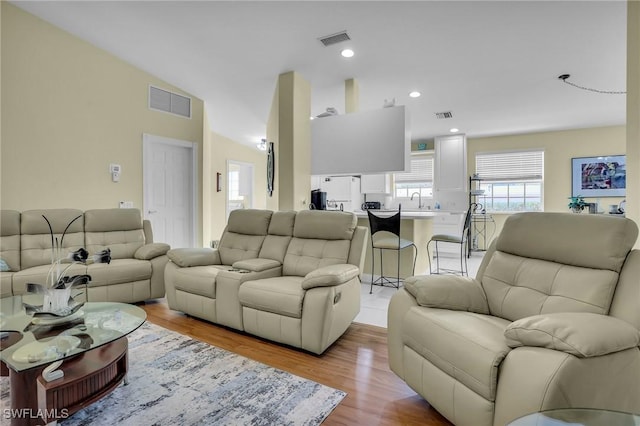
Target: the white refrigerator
pixel 343 192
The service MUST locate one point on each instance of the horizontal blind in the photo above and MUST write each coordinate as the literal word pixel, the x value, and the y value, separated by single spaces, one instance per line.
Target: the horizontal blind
pixel 510 165
pixel 421 170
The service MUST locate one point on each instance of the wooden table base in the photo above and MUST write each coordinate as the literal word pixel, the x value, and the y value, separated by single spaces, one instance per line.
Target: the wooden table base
pixel 87 378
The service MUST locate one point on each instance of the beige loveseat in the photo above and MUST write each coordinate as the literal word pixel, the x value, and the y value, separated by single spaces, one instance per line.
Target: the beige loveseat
pixel 551 321
pixel 285 276
pixel 136 271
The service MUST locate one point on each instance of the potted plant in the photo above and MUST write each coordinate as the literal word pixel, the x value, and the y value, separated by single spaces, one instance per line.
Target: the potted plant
pixel 577 203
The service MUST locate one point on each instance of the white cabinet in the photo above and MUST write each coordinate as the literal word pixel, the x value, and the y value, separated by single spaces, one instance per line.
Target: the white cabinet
pixel 375 184
pixel 450 168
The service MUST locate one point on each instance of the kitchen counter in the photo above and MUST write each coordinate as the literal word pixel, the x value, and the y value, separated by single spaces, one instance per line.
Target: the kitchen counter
pixel 415 225
pixel 407 214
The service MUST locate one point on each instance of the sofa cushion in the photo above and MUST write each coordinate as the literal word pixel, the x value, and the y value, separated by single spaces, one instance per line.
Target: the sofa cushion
pixel 10 238
pixel 448 292
pixel 597 241
pixel 326 225
pixel 119 271
pixel 35 239
pixel 467 346
pixel 38 275
pixel 518 287
pixel 235 247
pixel 120 230
pixel 581 334
pixel 280 232
pixel 306 255
pixel 278 295
pixel 249 221
pixel 200 280
pixel 6 286
pixel 186 257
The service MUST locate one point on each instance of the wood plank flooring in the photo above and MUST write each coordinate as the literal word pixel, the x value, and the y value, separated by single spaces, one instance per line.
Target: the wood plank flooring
pixel 357 364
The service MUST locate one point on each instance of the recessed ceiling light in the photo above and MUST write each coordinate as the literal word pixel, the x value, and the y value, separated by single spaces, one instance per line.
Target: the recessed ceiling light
pixel 347 53
pixel 312 118
pixel 414 94
pixel 454 130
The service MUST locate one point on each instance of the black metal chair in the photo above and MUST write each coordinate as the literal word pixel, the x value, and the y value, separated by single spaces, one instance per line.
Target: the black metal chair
pixel 463 240
pixel 390 225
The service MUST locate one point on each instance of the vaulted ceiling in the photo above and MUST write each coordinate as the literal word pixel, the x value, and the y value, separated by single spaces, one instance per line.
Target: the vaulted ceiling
pixel 493 64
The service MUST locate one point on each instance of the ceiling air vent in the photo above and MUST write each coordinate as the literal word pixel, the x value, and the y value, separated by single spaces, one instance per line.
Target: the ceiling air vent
pixel 335 38
pixel 446 114
pixel 163 100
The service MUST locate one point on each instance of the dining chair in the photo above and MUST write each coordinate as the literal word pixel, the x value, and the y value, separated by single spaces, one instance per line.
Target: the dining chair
pixel 388 237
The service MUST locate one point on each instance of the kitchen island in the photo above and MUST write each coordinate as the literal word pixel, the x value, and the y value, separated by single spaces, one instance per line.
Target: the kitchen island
pixel 417 226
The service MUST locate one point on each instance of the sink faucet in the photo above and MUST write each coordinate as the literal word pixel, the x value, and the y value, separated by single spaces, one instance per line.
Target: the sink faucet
pixel 419 199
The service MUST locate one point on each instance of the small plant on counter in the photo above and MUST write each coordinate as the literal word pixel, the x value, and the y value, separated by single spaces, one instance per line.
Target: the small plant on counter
pixel 577 203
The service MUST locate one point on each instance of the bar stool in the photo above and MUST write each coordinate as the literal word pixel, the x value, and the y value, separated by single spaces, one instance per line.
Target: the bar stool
pixel 454 239
pixel 387 242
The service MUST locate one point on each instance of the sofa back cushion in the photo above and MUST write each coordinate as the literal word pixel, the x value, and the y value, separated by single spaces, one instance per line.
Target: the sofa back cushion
pixel 119 230
pixel 279 236
pixel 320 238
pixel 556 262
pixel 10 239
pixel 243 237
pixel 35 238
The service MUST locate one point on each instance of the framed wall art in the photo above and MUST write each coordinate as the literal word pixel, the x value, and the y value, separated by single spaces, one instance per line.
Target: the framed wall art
pixel 599 176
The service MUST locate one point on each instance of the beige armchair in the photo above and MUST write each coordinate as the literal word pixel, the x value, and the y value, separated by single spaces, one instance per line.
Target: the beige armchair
pixel 551 321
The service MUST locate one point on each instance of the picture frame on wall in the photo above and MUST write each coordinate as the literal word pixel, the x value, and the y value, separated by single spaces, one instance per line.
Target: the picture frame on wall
pixel 603 176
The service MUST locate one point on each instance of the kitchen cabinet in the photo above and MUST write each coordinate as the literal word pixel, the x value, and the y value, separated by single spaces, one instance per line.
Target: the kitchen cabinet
pixel 450 163
pixel 375 184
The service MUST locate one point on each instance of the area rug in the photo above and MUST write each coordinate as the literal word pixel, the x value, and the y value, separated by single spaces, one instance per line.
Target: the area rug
pixel 176 380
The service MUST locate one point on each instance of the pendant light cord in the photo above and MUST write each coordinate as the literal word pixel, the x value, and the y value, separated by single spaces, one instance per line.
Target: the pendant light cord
pixel 565 78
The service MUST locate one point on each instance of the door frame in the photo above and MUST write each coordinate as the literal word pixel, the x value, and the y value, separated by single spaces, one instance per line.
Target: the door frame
pixel 148 141
pixel 253 182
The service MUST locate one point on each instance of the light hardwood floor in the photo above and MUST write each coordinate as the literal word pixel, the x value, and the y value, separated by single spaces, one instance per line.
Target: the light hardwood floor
pixel 357 364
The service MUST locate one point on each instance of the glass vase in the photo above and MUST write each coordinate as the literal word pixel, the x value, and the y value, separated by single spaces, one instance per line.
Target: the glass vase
pixel 56 299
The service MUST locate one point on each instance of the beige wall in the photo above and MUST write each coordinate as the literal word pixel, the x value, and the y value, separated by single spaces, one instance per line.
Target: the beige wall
pixel 559 148
pixel 68 110
pixel 223 150
pixel 633 111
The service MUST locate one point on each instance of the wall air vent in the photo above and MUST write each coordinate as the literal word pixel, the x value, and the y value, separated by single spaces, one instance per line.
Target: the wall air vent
pixel 163 100
pixel 446 114
pixel 334 38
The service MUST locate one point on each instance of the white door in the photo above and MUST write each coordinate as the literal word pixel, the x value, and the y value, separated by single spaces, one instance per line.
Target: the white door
pixel 169 189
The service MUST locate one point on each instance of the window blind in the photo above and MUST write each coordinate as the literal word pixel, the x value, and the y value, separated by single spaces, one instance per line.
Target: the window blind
pixel 421 170
pixel 519 165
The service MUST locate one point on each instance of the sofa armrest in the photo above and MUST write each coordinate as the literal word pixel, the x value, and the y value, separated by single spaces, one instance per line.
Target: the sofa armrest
pixel 577 333
pixel 187 257
pixel 448 292
pixel 256 265
pixel 149 251
pixel 331 275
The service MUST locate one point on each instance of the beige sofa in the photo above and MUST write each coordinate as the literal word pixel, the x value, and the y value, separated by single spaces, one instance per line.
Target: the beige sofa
pixel 136 271
pixel 288 277
pixel 551 321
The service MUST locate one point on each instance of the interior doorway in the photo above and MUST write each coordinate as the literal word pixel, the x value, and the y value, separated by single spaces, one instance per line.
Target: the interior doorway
pixel 169 182
pixel 239 185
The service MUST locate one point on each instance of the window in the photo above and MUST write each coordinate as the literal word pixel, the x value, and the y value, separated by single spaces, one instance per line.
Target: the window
pixel 418 179
pixel 512 181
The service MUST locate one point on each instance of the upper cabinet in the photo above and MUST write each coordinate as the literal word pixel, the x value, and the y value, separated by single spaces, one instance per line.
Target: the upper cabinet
pixel 375 184
pixel 450 168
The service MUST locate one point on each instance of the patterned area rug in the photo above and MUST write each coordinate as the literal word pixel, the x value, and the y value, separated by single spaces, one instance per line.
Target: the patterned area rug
pixel 176 380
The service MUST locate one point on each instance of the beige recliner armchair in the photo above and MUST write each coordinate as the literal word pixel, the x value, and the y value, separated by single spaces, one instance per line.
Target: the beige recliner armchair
pixel 551 321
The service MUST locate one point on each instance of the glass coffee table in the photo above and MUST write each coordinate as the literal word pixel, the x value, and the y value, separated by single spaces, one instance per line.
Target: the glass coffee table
pixel 90 345
pixel 578 417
